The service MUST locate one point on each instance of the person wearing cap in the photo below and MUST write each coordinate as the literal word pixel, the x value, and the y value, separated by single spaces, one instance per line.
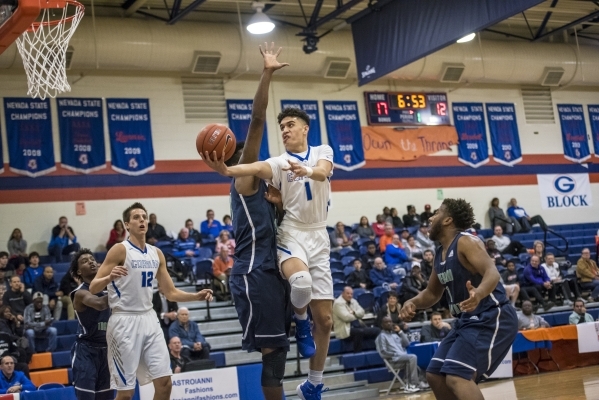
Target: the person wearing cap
pixel 411 218
pixel 422 237
pixel 426 214
pixel 38 319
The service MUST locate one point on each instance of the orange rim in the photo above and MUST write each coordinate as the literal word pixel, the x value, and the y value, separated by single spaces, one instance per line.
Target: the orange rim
pixel 36 25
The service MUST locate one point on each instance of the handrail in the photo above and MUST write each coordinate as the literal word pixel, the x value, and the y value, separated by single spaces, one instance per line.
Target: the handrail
pixel 546 243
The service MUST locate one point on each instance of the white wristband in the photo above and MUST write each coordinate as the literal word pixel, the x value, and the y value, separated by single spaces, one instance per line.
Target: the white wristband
pixel 309 171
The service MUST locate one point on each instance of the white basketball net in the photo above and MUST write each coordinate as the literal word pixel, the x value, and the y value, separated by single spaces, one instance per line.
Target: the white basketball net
pixel 43 49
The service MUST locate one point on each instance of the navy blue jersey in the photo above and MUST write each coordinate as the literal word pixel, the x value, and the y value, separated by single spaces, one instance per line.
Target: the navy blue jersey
pixel 454 276
pixel 254 226
pixel 92 323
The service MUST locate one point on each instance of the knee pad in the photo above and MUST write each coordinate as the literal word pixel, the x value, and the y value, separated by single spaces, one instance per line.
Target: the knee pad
pixel 301 289
pixel 273 368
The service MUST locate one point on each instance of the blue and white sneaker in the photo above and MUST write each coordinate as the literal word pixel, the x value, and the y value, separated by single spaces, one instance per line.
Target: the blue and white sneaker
pixel 303 335
pixel 307 391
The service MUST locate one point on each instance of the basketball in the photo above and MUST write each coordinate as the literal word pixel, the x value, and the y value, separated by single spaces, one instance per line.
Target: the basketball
pixel 216 137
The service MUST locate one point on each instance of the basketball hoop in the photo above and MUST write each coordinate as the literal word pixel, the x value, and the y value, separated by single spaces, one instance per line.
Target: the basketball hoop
pixel 43 47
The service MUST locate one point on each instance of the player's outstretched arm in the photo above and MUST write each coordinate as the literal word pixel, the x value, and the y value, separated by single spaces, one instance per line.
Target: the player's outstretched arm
pixel 169 289
pixel 84 299
pixel 425 299
pixel 112 268
pixel 260 169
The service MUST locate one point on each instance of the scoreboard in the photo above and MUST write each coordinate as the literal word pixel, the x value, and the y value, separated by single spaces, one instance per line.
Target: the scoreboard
pixel 407 108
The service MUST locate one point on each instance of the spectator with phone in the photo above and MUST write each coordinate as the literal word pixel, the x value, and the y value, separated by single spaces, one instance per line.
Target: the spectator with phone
pixel 38 321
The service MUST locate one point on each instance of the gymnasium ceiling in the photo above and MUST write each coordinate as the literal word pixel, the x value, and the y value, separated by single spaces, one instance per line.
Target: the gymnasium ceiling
pixel 550 20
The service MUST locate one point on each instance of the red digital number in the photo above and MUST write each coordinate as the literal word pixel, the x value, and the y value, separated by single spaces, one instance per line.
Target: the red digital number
pixel 382 108
pixel 441 109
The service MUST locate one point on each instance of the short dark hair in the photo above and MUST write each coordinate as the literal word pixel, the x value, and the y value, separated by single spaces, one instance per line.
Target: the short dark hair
pixel 409 237
pixel 549 254
pixel 578 300
pixel 188 220
pixel 34 254
pixel 461 212
pixel 510 262
pixel 294 112
pixel 393 294
pixel 75 261
pixel 116 222
pixel 436 313
pixel 127 212
pixel 3 254
pixel 428 251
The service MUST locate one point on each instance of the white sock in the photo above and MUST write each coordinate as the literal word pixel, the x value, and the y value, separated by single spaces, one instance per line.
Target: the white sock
pixel 302 317
pixel 315 377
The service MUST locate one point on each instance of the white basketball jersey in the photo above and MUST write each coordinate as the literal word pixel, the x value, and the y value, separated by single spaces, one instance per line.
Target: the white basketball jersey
pixel 133 293
pixel 306 201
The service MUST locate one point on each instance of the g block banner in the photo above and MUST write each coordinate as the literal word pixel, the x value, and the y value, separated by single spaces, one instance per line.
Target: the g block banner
pixel 594 117
pixel 29 134
pixel 503 128
pixel 130 134
pixel 469 121
pixel 239 113
pixel 345 134
pixel 574 132
pixel 81 129
pixel 311 108
pixel 565 191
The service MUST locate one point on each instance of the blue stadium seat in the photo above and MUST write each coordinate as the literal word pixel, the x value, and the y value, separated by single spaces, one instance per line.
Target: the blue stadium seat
pixel 65 342
pixel 61 359
pixel 561 318
pixel 335 255
pixel 218 358
pixel 358 292
pixel 366 301
pixel 204 252
pixel 336 265
pixel 203 267
pixel 339 285
pixel 524 257
pixel 347 260
pixel 364 241
pixel 47 386
pixel 338 275
pixel 349 252
pixel 61 267
pixel 374 375
pixel 347 271
pixel 100 256
pixel 382 299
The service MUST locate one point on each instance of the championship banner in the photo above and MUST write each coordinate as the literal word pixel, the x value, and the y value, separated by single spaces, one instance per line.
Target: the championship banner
pixel 594 117
pixel 469 121
pixel 218 383
pixel 588 337
pixel 130 134
pixel 81 126
pixel 311 108
pixel 29 134
pixel 387 144
pixel 505 140
pixel 239 113
pixel 574 132
pixel 345 134
pixel 1 153
pixel 565 191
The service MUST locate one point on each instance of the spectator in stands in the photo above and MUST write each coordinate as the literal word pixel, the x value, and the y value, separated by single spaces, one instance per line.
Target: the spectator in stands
pixel 13 381
pixel 505 245
pixel 579 315
pixel 413 249
pixel 538 249
pixel 436 330
pixel 118 234
pixel 178 360
pixel 588 274
pixel 494 253
pixel 509 279
pixel 387 214
pixel 555 275
pixel 359 277
pixel 395 219
pixel 17 297
pixel 166 311
pixel 527 320
pixel 185 246
pixel 347 320
pixel 9 347
pixel 156 232
pixel 379 226
pixel 371 254
pixel 228 223
pixel 33 270
pixel 38 321
pixel 194 344
pixel 526 221
pixel 3 284
pixel 9 323
pixel 422 237
pixel 13 342
pixel 387 238
pixel 411 218
pixel 210 228
pixel 17 246
pixel 67 285
pixel 413 284
pixel 4 265
pixel 20 264
pixel 339 240
pixel 426 214
pixel 224 240
pixel 426 265
pixel 381 275
pixel 394 254
pixel 221 268
pixel 536 276
pixel 46 285
pixel 364 230
pixel 63 241
pixel 392 310
pixel 392 346
pixel 498 218
pixel 193 233
pixel 403 235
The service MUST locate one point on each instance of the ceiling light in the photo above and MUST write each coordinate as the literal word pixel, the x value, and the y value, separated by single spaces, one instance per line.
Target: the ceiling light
pixel 467 38
pixel 260 23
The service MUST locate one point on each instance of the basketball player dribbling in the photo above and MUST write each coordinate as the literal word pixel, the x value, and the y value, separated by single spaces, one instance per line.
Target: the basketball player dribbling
pixel 487 324
pixel 303 176
pixel 136 344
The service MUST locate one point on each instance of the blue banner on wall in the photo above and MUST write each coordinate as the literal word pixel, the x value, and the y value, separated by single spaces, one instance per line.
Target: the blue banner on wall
pixel 594 117
pixel 29 134
pixel 130 134
pixel 81 126
pixel 469 121
pixel 1 153
pixel 311 108
pixel 505 140
pixel 345 134
pixel 239 113
pixel 574 132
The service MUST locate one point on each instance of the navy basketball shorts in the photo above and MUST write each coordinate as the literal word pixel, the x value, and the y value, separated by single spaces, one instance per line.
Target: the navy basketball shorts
pixel 262 303
pixel 477 345
pixel 91 376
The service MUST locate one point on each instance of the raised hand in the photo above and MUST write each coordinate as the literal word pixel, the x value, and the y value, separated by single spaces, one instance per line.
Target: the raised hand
pixel 270 57
pixel 408 311
pixel 471 303
pixel 297 169
pixel 205 294
pixel 215 163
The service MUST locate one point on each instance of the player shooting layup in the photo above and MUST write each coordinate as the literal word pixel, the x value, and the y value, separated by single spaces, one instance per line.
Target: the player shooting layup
pixel 303 176
pixel 136 344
